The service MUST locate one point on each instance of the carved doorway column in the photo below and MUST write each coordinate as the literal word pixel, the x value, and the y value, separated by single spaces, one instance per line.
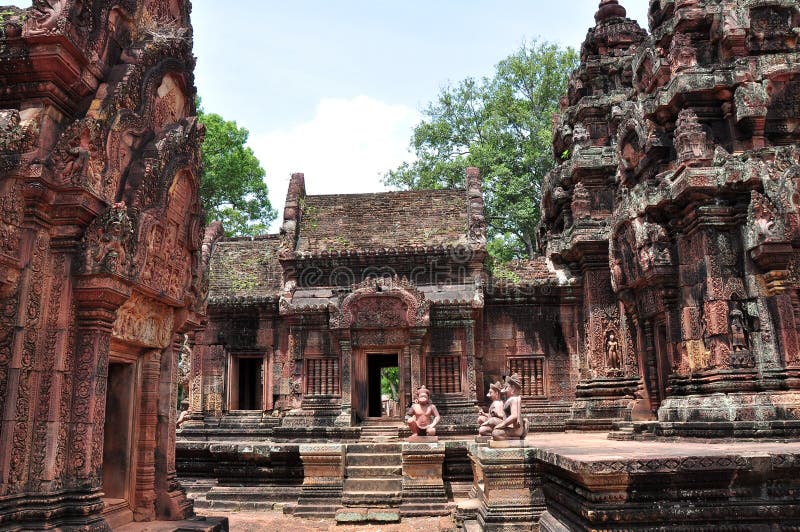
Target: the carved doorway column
pixel 97 298
pixel 416 336
pixel 345 419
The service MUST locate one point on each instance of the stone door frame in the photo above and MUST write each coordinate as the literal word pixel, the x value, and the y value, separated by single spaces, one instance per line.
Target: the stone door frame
pixel 231 387
pixel 126 355
pixel 360 376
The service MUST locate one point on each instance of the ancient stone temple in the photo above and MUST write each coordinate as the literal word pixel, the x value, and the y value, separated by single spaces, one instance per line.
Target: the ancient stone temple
pixel 676 209
pixel 301 323
pixel 665 304
pixel 101 272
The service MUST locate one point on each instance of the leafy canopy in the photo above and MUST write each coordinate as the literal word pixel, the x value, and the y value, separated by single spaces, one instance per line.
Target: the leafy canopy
pixel 502 125
pixel 232 188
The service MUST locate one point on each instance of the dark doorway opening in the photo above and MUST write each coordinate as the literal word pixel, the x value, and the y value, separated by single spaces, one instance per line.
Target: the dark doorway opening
pixel 250 383
pixel 117 435
pixel 382 393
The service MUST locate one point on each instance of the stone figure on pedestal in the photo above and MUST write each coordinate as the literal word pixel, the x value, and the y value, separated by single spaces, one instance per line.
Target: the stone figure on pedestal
pixel 496 414
pixel 423 416
pixel 514 426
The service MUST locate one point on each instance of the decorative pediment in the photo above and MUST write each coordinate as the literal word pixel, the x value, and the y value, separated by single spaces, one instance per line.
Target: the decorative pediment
pixel 381 303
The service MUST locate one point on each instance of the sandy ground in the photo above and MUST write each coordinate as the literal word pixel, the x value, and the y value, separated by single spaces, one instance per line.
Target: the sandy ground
pixel 276 521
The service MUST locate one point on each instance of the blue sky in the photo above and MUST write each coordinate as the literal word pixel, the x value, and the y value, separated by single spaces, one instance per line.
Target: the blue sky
pixel 333 88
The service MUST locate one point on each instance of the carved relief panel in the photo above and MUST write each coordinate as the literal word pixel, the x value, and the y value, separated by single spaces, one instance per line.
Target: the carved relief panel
pixel 144 322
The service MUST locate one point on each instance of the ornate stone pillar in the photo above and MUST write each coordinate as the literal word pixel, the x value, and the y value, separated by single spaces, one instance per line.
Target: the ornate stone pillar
pixel 345 419
pixel 469 336
pixel 423 487
pixel 323 479
pixel 510 496
pixel 97 299
pixel 212 385
pixel 171 501
pixel 416 335
pixel 145 497
pixel 20 359
pixel 196 382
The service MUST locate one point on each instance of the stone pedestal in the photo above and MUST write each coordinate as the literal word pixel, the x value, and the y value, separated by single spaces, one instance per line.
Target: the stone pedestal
pixel 423 486
pixel 600 402
pixel 762 414
pixel 323 479
pixel 508 486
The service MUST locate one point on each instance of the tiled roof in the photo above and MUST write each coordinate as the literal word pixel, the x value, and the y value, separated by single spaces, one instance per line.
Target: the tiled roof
pixel 245 267
pixel 530 271
pixel 383 220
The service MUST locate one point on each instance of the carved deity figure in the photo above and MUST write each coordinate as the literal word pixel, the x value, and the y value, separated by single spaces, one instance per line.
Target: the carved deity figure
pixel 762 216
pixel 613 358
pixel 617 274
pixel 514 426
pixel 488 420
pixel 580 136
pixel 105 248
pixel 581 202
pixel 44 16
pixel 691 139
pixel 423 416
pixel 738 331
pixel 682 54
pixel 184 363
pixel 78 163
pixel 184 414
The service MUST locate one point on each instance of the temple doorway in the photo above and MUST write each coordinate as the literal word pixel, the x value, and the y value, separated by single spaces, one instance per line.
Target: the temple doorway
pixel 382 386
pixel 118 442
pixel 247 383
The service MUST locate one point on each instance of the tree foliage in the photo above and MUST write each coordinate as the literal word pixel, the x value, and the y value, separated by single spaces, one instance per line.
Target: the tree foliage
pixel 232 188
pixel 502 125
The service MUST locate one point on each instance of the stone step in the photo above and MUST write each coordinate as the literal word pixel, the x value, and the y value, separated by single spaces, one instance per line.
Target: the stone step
pixel 374 459
pixel 253 493
pixel 235 506
pixel 472 525
pixel 315 511
pixel 372 499
pixel 370 471
pixel 193 524
pixel 373 485
pixel 349 515
pixel 373 448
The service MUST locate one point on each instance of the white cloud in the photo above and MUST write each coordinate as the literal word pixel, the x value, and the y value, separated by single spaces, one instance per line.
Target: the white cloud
pixel 346 147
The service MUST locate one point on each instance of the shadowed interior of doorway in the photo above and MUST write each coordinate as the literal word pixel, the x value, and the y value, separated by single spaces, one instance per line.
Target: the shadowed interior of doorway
pixel 381 374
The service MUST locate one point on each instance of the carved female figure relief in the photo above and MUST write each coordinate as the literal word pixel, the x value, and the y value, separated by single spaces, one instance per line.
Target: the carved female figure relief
pixel 613 355
pixel 739 333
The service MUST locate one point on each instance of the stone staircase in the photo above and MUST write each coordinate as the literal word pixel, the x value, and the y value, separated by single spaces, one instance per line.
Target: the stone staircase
pixel 247 419
pixel 380 432
pixel 373 482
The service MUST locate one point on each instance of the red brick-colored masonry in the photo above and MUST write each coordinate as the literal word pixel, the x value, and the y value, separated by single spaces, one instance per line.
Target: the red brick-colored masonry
pixel 667 289
pixel 665 303
pixel 101 271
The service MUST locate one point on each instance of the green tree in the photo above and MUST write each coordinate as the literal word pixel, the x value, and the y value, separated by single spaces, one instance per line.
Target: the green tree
pixel 502 125
pixel 232 188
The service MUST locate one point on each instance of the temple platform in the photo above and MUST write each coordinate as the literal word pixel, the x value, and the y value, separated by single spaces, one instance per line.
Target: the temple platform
pixel 551 481
pixel 585 481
